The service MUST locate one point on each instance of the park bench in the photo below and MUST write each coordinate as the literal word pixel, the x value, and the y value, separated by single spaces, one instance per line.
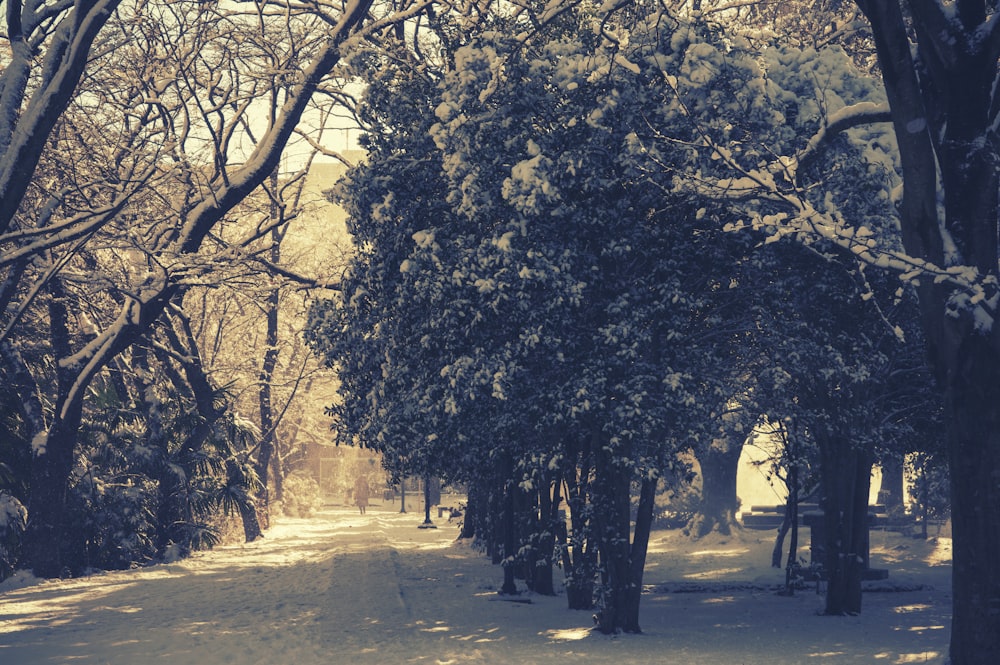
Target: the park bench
pixel 810 515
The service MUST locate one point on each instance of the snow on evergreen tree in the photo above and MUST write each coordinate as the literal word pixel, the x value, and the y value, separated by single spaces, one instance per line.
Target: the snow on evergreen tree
pixel 543 285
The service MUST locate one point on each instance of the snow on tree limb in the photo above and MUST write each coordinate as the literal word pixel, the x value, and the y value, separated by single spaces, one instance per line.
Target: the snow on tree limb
pixel 65 59
pixel 802 219
pixel 841 120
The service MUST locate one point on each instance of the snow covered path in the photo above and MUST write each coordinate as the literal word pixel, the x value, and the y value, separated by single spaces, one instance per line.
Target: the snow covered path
pixel 374 589
pixel 311 590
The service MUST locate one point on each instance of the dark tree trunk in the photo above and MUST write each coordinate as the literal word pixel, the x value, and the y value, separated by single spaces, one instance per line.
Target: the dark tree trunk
pixel 779 541
pixel 248 513
pixel 792 520
pixel 792 512
pixel 637 553
pixel 846 479
pixel 891 492
pixel 525 527
pixel 494 530
pixel 973 416
pixel 236 478
pixel 611 505
pixel 46 539
pixel 509 538
pixel 168 511
pixel 183 340
pixel 268 425
pixel 579 554
pixel 952 94
pixel 548 509
pixel 579 564
pixel 473 514
pixel 427 501
pixel 278 475
pixel 719 503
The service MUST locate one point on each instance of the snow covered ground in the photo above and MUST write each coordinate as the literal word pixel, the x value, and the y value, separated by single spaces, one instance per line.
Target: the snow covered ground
pixel 346 588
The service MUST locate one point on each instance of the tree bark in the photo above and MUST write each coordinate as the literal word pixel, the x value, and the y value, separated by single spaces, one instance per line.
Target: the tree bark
pixel 265 449
pixel 719 503
pixel 974 446
pixel 268 426
pixel 579 555
pixel 792 519
pixel 168 508
pixel 473 515
pixel 611 505
pixel 46 539
pixel 25 128
pixel 509 587
pixel 779 541
pixel 891 491
pixel 248 512
pixel 637 553
pixel 846 478
pixel 549 500
pixel 944 111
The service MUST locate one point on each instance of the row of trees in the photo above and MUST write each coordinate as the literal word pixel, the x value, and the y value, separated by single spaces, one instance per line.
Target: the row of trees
pixel 543 303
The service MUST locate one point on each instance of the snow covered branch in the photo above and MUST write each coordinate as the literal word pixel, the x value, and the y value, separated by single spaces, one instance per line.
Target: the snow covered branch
pixel 845 118
pixel 24 130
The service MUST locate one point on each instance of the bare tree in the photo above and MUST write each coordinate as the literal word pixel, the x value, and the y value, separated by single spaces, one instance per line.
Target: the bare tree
pixel 204 98
pixel 49 46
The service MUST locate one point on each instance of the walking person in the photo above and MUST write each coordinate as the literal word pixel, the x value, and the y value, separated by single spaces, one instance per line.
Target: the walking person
pixel 361 491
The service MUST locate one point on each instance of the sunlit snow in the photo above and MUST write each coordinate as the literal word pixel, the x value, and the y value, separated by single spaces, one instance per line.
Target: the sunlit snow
pixel 346 588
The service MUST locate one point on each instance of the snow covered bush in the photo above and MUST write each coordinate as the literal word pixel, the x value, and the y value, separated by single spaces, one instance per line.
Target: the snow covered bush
pixel 300 495
pixel 13 520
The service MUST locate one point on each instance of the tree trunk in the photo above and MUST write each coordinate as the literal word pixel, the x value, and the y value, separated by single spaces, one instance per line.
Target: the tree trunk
pixel 427 500
pixel 46 539
pixel 579 556
pixel 779 541
pixel 278 474
pixel 183 340
pixel 494 543
pixel 168 510
pixel 267 421
pixel 610 503
pixel 509 542
pixel 637 553
pixel 248 512
pixel 792 520
pixel 719 503
pixel 944 116
pixel 973 416
pixel 846 478
pixel 472 516
pixel 891 492
pixel 548 509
